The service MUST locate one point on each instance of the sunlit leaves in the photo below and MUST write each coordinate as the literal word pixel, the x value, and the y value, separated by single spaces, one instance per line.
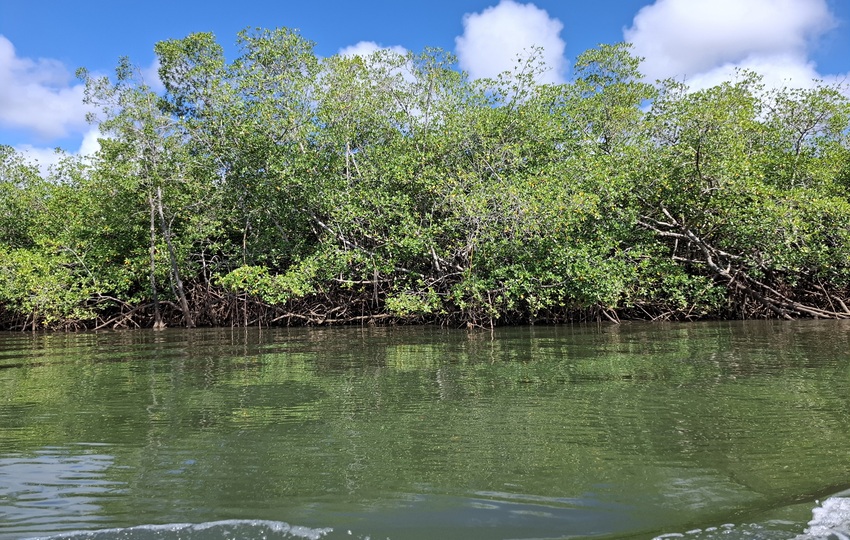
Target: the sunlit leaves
pixel 395 183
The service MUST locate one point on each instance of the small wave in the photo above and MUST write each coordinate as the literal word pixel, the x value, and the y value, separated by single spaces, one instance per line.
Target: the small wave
pixel 220 530
pixel 830 521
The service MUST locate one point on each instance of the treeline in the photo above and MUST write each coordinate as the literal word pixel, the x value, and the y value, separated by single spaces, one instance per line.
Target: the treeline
pixel 284 188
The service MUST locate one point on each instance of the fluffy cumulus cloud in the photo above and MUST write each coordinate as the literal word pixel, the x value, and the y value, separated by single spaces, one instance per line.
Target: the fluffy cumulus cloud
pixel 39 95
pixel 776 70
pixel 42 157
pixel 42 99
pixel 365 48
pixel 91 143
pixel 45 158
pixel 704 41
pixel 493 39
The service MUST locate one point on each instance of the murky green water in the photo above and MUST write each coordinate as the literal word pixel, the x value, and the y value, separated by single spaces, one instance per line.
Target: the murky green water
pixel 729 430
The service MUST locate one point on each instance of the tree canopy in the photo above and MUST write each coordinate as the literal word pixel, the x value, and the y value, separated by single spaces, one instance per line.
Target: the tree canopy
pixel 285 188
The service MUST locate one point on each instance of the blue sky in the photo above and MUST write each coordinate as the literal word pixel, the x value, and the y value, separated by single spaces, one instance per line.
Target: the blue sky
pixel 42 42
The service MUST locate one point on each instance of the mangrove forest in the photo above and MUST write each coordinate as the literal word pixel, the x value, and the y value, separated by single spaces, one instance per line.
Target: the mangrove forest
pixel 285 188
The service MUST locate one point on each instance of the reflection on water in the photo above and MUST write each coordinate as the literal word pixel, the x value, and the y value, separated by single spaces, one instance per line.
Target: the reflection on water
pixel 53 485
pixel 702 430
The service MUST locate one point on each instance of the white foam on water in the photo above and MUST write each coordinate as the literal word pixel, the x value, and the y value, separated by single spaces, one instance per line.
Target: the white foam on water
pixel 830 520
pixel 233 529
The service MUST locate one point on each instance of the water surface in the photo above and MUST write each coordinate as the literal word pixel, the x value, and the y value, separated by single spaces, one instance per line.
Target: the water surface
pixel 730 430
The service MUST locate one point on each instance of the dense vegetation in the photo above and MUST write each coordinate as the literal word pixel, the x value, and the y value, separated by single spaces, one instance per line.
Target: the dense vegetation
pixel 284 188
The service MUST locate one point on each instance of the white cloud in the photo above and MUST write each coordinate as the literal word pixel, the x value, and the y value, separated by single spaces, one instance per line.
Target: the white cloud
pixel 90 144
pixel 42 157
pixel 777 71
pixel 150 76
pixel 365 48
pixel 45 158
pixel 38 95
pixel 493 39
pixel 704 41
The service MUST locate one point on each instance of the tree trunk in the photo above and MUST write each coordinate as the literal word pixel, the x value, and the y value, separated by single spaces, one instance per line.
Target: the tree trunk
pixel 157 315
pixel 175 272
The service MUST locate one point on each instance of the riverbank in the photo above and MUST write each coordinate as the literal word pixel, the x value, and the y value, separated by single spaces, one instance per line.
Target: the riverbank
pixel 221 308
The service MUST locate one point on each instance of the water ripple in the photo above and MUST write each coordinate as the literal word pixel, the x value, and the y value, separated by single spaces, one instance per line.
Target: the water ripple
pixel 222 530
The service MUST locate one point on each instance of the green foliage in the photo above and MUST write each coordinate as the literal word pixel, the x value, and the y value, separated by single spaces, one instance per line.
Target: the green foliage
pixel 45 287
pixel 391 185
pixel 274 289
pixel 22 194
pixel 406 303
